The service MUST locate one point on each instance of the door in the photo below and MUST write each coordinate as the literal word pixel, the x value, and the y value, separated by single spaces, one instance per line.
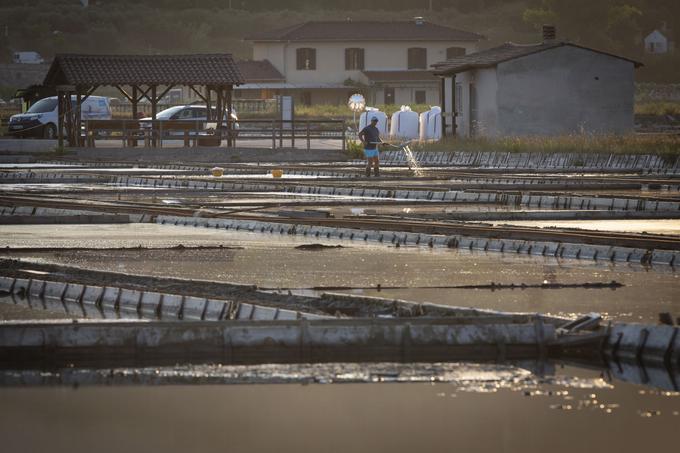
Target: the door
pixel 389 95
pixel 472 110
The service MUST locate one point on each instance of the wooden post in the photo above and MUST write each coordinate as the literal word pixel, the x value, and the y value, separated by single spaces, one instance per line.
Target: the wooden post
pixel 309 143
pixel 454 114
pixel 78 118
pixel 273 134
pixel 69 118
pixel 231 127
pixel 442 100
pixel 344 135
pixel 218 114
pixel 60 119
pixel 154 109
pixel 135 98
pixel 133 101
pixel 208 103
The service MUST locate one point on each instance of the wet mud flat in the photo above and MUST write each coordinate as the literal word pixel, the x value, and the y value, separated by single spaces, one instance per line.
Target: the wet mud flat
pixel 277 263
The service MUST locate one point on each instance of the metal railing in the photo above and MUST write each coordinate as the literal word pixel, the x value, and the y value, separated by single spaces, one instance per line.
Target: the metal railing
pixel 282 131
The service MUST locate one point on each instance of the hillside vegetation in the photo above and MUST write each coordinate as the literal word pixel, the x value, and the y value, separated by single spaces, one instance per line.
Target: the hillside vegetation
pixel 193 26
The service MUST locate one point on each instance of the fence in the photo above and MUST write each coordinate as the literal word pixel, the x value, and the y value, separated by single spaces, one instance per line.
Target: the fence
pixel 241 106
pixel 201 133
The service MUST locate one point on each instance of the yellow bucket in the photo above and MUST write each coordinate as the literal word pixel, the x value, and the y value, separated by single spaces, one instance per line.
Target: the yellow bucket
pixel 217 171
pixel 277 173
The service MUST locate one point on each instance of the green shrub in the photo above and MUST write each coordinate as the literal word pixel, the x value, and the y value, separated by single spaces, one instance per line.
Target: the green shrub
pixel 355 150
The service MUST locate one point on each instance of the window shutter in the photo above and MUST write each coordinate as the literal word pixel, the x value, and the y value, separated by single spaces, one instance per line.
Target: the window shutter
pixel 360 57
pixel 348 59
pixel 300 58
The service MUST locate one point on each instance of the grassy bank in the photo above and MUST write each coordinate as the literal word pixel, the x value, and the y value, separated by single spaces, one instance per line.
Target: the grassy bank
pixel 657 108
pixel 343 112
pixel 664 145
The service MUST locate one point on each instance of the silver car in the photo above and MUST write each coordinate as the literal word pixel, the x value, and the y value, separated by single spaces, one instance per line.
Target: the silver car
pixel 186 113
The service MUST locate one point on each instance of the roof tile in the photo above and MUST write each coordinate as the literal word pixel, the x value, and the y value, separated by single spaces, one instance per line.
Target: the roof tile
pixel 202 69
pixel 365 30
pixel 508 51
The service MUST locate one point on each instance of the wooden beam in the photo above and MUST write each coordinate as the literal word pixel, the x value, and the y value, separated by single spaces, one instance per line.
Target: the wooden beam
pixel 145 94
pixel 124 93
pixel 169 87
pixel 198 93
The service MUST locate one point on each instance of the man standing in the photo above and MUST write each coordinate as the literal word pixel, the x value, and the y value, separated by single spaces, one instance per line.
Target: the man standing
pixel 370 137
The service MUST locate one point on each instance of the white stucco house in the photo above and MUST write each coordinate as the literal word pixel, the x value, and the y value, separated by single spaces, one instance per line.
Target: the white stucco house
pixel 325 62
pixel 551 88
pixel 657 43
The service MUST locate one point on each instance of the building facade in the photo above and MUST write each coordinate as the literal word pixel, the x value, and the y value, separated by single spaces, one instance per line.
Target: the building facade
pixel 553 88
pixel 388 62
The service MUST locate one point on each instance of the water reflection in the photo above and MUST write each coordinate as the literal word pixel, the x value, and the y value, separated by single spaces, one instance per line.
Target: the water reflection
pixel 535 378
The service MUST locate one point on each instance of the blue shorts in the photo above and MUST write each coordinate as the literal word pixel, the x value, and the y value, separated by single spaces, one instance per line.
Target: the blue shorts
pixel 369 153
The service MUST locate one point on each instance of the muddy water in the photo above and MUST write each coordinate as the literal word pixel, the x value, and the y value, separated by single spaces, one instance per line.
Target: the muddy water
pixel 487 412
pixel 272 261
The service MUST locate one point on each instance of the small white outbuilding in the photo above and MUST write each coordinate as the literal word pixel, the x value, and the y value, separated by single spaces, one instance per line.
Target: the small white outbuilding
pixel 551 88
pixel 657 43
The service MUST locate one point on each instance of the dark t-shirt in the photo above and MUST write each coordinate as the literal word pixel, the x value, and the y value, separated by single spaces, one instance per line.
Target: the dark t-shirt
pixel 371 136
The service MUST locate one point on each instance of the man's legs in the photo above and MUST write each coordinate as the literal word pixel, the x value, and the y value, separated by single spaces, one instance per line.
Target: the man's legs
pixel 376 166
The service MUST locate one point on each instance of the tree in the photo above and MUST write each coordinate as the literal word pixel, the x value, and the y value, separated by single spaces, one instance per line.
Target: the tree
pixel 623 27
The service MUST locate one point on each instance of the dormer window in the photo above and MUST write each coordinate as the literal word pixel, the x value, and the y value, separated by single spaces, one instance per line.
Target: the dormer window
pixel 417 58
pixel 306 59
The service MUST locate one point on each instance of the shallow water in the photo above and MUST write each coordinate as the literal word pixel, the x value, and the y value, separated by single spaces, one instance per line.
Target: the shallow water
pixel 652 226
pixel 471 408
pixel 272 261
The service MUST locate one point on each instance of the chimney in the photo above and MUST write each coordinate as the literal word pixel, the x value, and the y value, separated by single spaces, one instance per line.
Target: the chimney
pixel 419 20
pixel 549 33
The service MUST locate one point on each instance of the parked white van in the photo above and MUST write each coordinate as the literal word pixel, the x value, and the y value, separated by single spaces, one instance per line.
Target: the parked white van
pixel 40 120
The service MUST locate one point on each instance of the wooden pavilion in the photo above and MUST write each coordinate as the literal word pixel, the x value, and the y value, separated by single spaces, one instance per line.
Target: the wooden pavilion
pixel 139 77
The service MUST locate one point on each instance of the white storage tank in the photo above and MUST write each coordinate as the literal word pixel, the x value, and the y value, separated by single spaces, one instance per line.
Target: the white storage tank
pixel 365 119
pixel 431 124
pixel 404 124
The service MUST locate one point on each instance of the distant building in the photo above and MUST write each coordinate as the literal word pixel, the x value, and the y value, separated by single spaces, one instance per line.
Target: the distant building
pixel 658 42
pixel 325 62
pixel 551 88
pixel 27 58
pixel 263 80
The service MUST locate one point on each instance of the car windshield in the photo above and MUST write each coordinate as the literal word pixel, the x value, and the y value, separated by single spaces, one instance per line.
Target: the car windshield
pixel 43 106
